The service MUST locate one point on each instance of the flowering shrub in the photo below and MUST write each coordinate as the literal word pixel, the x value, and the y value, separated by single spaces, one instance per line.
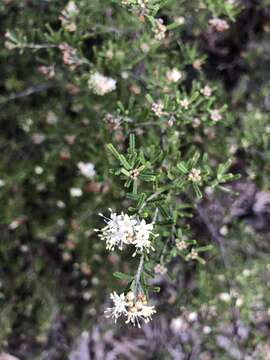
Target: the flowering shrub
pixel 139 111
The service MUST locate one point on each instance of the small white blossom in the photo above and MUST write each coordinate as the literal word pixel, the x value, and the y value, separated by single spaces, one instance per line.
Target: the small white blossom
pixel 38 138
pixel 38 170
pixel 87 169
pixel 124 229
pixel 181 245
pixel 215 115
pixel 100 84
pixel 193 316
pixel 184 103
pixel 160 269
pixel 207 330
pixel 134 308
pixel 159 30
pixel 206 91
pixel 119 230
pixel 142 237
pixel 143 313
pixel 177 324
pixel 145 48
pixel 194 175
pixel 219 24
pixel 76 192
pixel 67 16
pixel 173 75
pixel 119 306
pixel 157 108
pixel 226 297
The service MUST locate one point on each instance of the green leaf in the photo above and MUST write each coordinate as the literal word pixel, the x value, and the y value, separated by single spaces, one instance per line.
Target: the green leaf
pixel 132 143
pixel 122 276
pixel 164 212
pixel 124 162
pixel 125 172
pixel 182 167
pixel 113 150
pixel 197 191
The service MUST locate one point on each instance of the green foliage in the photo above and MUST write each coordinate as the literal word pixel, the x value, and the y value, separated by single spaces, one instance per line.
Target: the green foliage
pixel 117 104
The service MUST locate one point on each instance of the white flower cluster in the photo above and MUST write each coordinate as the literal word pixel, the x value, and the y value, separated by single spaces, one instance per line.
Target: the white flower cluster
pixel 124 229
pixel 157 108
pixel 67 16
pixel 159 30
pixel 219 24
pixel 101 84
pixel 195 175
pixel 173 75
pixel 135 309
pixel 87 169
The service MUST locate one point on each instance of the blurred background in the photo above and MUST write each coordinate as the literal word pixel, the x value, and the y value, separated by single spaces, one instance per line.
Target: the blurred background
pixel 55 274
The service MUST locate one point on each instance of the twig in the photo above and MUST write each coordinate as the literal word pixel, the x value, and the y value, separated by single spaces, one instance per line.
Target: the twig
pixel 29 91
pixel 138 274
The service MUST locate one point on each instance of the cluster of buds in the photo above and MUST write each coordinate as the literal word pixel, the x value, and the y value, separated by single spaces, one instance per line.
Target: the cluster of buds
pixel 113 122
pixel 48 71
pixel 100 84
pixel 219 24
pixel 173 75
pixel 157 108
pixel 184 103
pixel 215 115
pixel 124 229
pixel 193 255
pixel 159 30
pixel 206 91
pixel 160 269
pixel 133 308
pixel 87 169
pixel 194 175
pixel 134 174
pixel 138 6
pixel 181 245
pixel 68 15
pixel 70 56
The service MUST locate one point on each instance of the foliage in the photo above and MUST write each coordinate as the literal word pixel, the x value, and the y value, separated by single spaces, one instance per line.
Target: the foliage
pixel 120 105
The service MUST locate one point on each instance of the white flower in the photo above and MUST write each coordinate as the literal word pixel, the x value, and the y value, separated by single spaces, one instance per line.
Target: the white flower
pixel 119 230
pixel 159 30
pixel 160 269
pixel 177 324
pixel 142 237
pixel 184 103
pixel 119 306
pixel 157 108
pixel 219 24
pixel 101 84
pixel 195 175
pixel 2 182
pixel 76 192
pixel 193 316
pixel 124 229
pixel 67 16
pixel 87 169
pixel 134 308
pixel 215 115
pixel 38 170
pixel 173 75
pixel 226 297
pixel 207 330
pixel 206 91
pixel 144 313
pixel 71 8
